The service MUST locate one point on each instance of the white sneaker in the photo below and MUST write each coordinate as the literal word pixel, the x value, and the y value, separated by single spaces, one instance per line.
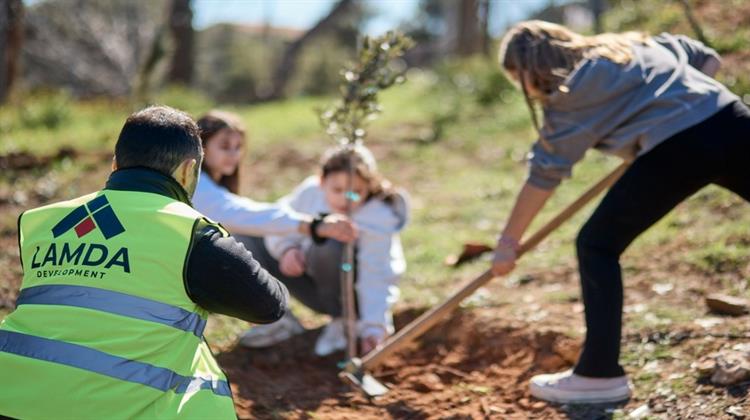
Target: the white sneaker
pixel 269 334
pixel 331 339
pixel 569 388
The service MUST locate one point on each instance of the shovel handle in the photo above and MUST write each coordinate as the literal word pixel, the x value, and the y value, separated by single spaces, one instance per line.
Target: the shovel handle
pixel 424 322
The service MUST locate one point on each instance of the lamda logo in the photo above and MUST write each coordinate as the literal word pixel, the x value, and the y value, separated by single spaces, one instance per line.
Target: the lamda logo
pixel 80 220
pixel 84 220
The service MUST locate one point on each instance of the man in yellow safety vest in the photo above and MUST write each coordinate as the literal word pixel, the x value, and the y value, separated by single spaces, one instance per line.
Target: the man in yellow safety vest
pixel 117 287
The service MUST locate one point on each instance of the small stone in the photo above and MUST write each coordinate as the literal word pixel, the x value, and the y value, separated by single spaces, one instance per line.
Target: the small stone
pixel 428 383
pixel 538 406
pixel 640 412
pixel 727 305
pixel 708 323
pixel 731 367
pixel 499 410
pixel 705 366
pixel 662 288
pixel 736 411
pixel 702 389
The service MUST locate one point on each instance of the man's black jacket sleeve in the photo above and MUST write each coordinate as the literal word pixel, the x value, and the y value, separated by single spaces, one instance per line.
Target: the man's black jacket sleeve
pixel 223 277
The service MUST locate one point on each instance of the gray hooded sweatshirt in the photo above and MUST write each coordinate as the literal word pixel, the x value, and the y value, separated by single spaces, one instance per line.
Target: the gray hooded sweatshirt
pixel 626 110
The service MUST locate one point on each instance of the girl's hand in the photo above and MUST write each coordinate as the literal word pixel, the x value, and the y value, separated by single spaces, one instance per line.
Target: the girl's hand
pixel 338 227
pixel 371 336
pixel 505 256
pixel 292 262
pixel 369 343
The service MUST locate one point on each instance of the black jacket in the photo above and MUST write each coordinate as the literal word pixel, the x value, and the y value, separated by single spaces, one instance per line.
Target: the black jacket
pixel 220 275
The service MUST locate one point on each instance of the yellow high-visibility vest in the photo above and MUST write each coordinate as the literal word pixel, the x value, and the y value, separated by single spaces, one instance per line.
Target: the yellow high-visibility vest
pixel 103 326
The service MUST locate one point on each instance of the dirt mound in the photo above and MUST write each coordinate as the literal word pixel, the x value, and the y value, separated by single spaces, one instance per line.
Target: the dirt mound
pixel 471 366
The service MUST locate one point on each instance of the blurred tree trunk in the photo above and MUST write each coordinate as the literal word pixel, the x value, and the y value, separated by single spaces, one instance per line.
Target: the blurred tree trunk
pixel 144 78
pixel 597 9
pixel 694 22
pixel 469 39
pixel 181 28
pixel 285 69
pixel 484 16
pixel 11 36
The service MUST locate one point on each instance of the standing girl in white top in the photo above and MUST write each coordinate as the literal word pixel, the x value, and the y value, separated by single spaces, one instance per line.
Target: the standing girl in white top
pixel 310 267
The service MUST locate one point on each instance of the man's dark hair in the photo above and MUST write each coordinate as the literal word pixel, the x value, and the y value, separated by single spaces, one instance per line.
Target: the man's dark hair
pixel 158 137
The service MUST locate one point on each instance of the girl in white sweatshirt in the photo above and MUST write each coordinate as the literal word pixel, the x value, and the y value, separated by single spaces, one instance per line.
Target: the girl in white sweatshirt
pixel 310 266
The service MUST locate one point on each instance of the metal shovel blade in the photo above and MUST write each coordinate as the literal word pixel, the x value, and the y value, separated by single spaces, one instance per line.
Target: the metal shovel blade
pixel 365 383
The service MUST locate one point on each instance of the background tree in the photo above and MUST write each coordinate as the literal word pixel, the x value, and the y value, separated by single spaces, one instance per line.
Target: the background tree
pixel 11 35
pixel 597 9
pixel 181 29
pixel 468 28
pixel 287 65
pixel 89 47
pixel 447 28
pixel 484 26
pixel 694 22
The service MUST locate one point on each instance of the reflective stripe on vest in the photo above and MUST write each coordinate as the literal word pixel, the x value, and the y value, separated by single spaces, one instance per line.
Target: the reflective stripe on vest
pixel 106 364
pixel 115 303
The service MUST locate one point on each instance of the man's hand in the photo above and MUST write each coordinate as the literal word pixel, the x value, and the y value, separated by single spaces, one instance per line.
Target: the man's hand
pixel 292 262
pixel 338 227
pixel 505 256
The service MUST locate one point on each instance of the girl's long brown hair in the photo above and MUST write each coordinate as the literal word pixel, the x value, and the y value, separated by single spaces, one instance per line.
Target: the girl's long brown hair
pixel 542 55
pixel 210 125
pixel 340 159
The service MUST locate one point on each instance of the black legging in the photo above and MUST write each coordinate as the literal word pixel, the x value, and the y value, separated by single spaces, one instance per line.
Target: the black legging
pixel 715 151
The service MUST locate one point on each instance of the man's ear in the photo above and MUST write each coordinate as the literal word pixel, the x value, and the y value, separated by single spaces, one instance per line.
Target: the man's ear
pixel 184 173
pixel 114 163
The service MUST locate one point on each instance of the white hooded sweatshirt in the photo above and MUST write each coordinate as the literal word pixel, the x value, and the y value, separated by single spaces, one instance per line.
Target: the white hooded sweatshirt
pixel 379 255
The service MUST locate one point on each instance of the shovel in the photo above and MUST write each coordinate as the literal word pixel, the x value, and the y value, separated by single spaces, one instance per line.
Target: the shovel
pixel 355 371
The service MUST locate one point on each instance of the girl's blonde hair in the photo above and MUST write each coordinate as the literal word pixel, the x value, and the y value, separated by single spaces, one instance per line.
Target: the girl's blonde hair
pixel 342 158
pixel 542 55
pixel 211 124
pixel 545 53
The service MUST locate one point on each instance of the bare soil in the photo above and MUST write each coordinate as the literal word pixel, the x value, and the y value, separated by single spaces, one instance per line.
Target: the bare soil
pixel 470 366
pixel 477 363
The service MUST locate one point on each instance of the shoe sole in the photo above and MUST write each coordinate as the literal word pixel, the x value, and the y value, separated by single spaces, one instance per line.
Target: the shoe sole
pixel 596 398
